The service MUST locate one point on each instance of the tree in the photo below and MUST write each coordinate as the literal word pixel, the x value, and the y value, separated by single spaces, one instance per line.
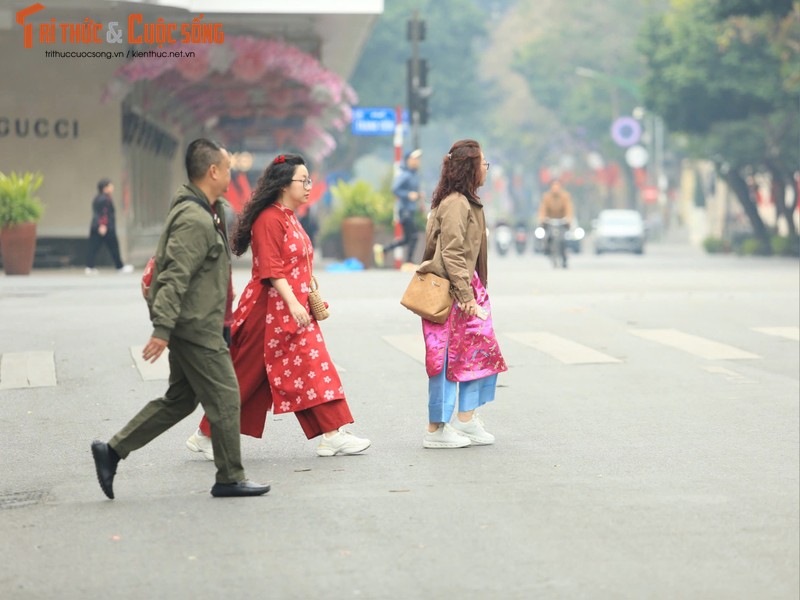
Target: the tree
pixel 726 82
pixel 582 67
pixel 456 31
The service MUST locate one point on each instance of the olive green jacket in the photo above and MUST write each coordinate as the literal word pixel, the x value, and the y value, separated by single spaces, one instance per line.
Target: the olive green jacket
pixel 455 244
pixel 188 295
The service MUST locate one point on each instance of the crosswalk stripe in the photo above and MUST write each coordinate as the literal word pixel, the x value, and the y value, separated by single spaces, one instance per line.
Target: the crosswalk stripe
pixel 791 333
pixel 410 344
pixel 151 371
pixel 27 370
pixel 693 344
pixel 562 349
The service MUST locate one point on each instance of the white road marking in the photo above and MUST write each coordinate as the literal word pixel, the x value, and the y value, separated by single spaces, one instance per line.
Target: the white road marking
pixel 790 333
pixel 412 345
pixel 562 349
pixel 27 370
pixel 151 371
pixel 729 375
pixel 693 344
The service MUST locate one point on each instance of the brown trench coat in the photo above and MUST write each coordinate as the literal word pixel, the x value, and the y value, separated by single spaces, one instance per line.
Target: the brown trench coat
pixel 455 244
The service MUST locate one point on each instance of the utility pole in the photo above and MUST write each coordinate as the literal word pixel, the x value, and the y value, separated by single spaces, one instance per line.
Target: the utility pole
pixel 417 79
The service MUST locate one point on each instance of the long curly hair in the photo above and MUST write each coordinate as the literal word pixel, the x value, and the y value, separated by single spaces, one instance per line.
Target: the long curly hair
pixel 461 172
pixel 276 176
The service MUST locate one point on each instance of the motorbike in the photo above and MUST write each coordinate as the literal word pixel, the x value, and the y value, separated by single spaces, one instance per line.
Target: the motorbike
pixel 503 236
pixel 552 232
pixel 520 238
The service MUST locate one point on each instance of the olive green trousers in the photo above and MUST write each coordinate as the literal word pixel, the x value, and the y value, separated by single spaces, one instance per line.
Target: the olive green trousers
pixel 196 375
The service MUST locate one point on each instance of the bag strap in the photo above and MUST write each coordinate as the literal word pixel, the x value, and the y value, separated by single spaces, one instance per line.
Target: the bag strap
pixel 162 242
pixel 214 216
pixel 313 283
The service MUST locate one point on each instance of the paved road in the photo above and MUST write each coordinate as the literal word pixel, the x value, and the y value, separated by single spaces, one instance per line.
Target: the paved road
pixel 647 447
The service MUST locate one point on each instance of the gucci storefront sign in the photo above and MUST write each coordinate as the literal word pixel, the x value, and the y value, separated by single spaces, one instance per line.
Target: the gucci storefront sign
pixel 38 127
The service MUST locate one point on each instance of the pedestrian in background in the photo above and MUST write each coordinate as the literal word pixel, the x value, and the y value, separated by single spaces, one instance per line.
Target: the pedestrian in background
pixel 406 190
pixel 278 350
pixel 103 229
pixel 187 299
pixel 462 357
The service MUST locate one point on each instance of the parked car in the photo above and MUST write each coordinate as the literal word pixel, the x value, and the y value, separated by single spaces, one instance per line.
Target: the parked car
pixel 619 230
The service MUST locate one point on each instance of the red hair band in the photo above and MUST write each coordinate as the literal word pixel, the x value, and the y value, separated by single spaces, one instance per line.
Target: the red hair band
pixel 279 159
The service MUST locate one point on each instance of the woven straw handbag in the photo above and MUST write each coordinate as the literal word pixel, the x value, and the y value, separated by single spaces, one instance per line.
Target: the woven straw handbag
pixel 316 303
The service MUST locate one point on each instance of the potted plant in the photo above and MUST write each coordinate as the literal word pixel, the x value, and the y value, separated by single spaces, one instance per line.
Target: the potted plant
pixel 20 210
pixel 360 208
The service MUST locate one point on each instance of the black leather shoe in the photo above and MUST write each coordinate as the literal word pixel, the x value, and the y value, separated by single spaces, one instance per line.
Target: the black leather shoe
pixel 105 463
pixel 239 488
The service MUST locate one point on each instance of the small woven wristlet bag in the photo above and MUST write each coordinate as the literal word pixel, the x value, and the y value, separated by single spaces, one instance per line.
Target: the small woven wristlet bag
pixel 315 301
pixel 318 308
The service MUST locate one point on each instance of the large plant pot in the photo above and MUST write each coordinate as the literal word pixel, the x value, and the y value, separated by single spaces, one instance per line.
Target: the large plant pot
pixel 358 236
pixel 18 243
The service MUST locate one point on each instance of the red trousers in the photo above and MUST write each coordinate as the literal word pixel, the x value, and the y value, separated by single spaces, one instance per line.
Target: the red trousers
pixel 247 352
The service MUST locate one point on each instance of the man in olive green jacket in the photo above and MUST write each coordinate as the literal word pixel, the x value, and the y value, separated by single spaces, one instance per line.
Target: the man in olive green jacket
pixel 187 301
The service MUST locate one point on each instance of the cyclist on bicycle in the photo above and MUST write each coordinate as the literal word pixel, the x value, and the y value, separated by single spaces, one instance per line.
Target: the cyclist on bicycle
pixel 556 204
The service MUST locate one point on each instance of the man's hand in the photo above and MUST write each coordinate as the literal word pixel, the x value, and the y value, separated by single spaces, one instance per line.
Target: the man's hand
pixel 154 349
pixel 102 230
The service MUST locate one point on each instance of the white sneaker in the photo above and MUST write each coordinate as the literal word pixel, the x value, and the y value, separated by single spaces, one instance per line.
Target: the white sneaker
pixel 125 269
pixel 342 442
pixel 445 437
pixel 377 255
pixel 90 271
pixel 474 430
pixel 198 442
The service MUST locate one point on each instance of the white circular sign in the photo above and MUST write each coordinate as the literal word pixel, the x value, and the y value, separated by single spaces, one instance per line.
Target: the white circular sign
pixel 566 162
pixel 636 157
pixel 595 161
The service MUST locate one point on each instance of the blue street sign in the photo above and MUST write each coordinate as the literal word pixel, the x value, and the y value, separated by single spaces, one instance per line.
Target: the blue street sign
pixel 374 121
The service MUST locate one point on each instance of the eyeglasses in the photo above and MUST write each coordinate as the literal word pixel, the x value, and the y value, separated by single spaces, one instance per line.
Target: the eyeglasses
pixel 307 183
pixel 486 164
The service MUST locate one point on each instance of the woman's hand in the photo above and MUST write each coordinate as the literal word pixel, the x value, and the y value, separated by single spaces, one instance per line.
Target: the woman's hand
pixel 102 230
pixel 297 310
pixel 471 307
pixel 299 313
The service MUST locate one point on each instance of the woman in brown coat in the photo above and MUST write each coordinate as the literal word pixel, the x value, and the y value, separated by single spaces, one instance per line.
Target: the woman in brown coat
pixel 462 357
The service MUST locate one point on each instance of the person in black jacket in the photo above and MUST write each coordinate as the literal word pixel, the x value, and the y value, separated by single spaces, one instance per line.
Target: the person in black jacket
pixel 103 229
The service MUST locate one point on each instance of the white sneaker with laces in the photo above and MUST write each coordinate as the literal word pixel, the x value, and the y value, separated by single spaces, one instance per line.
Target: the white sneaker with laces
pixel 474 430
pixel 91 271
pixel 342 442
pixel 445 437
pixel 125 269
pixel 201 443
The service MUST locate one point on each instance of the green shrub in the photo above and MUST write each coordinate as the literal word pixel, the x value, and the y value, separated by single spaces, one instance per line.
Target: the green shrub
pixel 752 247
pixel 785 246
pixel 17 201
pixel 358 199
pixel 714 245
